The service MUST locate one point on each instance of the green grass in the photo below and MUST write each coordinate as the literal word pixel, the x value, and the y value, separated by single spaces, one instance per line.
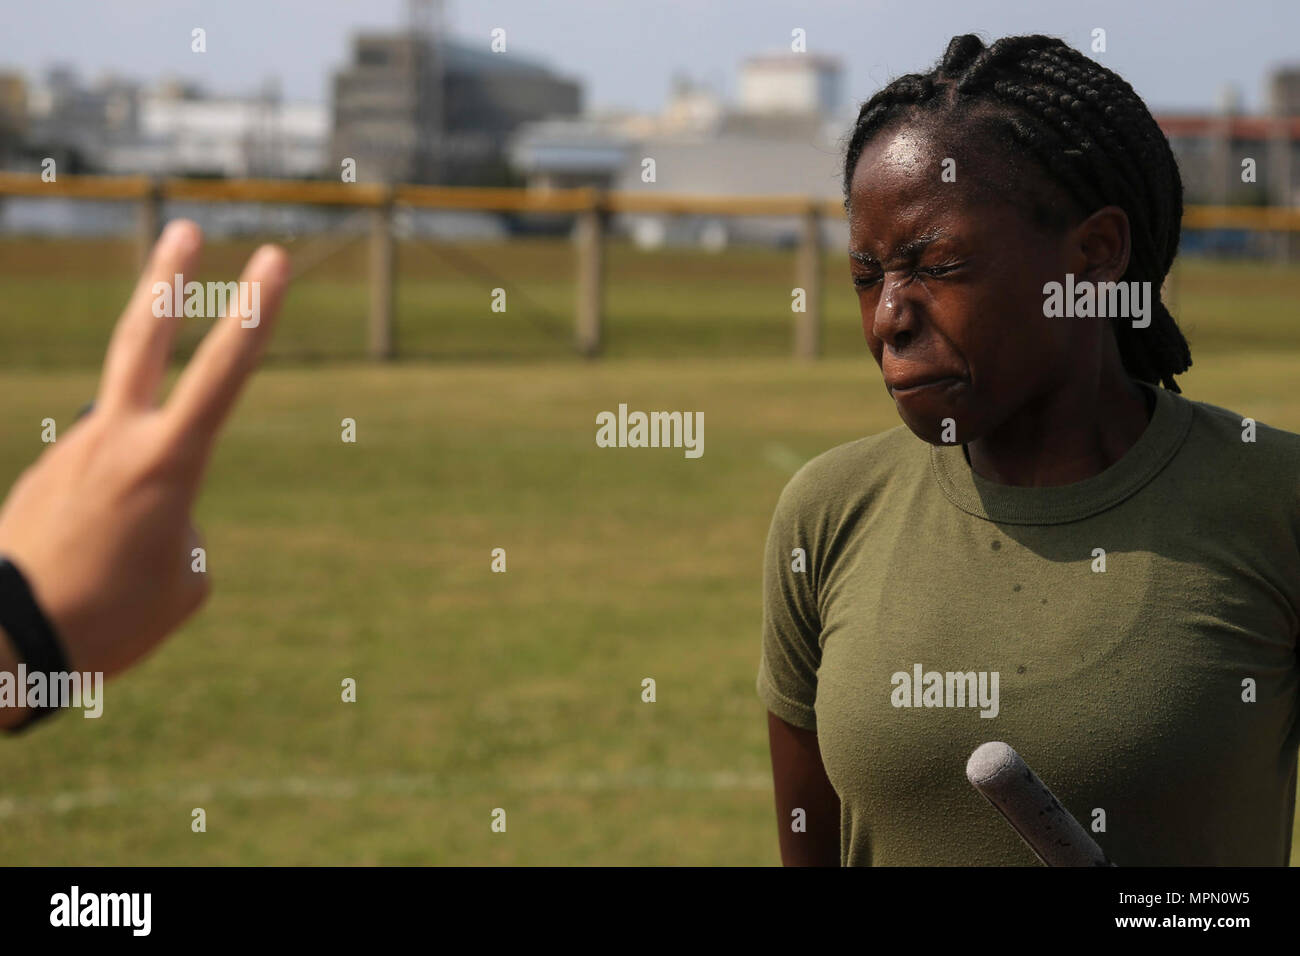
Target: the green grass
pixel 676 303
pixel 371 561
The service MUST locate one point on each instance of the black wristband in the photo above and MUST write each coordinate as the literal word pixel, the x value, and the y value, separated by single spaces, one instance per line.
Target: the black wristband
pixel 30 631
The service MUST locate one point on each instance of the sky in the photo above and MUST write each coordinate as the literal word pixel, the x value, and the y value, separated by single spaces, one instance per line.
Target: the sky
pixel 1178 54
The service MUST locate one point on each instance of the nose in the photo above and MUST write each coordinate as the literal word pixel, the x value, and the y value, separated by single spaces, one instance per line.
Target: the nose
pixel 894 319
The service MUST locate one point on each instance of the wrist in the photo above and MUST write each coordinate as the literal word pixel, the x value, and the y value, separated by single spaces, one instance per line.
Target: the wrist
pixel 30 646
pixel 11 716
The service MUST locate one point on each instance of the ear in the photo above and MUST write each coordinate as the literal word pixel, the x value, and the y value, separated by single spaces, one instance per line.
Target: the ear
pixel 1104 243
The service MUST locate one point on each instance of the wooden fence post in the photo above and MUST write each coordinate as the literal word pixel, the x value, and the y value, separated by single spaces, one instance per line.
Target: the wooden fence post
pixel 589 319
pixel 382 272
pixel 808 276
pixel 148 222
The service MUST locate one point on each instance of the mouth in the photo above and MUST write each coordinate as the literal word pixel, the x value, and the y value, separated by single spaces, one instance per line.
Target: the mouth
pixel 916 386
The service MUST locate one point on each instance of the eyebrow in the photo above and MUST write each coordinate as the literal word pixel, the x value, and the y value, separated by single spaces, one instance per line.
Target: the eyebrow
pixel 909 249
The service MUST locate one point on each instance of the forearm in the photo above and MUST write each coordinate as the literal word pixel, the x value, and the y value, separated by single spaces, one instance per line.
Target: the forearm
pixel 807 806
pixel 819 843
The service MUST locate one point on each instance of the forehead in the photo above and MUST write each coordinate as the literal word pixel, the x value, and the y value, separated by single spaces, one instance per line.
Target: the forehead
pixel 899 182
pixel 900 175
pixel 900 148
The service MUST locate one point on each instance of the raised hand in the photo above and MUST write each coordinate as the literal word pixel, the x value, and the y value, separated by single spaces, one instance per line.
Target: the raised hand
pixel 100 525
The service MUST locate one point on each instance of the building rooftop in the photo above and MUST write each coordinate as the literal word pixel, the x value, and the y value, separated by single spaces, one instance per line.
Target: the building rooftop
pixel 462 56
pixel 820 60
pixel 1238 127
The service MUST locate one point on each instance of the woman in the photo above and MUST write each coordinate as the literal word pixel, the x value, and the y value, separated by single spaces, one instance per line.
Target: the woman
pixel 1058 550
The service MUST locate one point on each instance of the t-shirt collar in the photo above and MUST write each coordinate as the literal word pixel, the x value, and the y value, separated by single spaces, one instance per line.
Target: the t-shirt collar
pixel 1013 504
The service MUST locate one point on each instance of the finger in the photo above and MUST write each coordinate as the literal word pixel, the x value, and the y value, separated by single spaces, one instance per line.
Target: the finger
pixel 141 342
pixel 209 385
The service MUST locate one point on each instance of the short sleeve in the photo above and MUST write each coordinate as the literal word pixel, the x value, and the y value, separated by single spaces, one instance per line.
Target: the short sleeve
pixel 791 646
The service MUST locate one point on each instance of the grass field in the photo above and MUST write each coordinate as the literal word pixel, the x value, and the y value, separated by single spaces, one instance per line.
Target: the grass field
pixel 479 690
pixel 677 303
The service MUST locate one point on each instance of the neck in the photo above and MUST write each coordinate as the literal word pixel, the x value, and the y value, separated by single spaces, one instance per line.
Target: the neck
pixel 1068 435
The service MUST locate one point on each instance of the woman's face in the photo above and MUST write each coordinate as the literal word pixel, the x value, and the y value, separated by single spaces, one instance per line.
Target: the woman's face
pixel 950 281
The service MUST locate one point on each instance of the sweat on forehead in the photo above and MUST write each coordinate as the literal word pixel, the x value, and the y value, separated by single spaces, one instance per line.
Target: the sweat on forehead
pixel 984 168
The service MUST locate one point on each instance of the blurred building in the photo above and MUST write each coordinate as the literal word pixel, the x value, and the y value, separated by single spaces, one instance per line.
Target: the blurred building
pixel 568 153
pixel 13 117
pixel 416 107
pixel 1284 92
pixel 1212 147
pixel 182 132
pixel 75 123
pixel 1213 150
pixel 791 83
pixel 170 129
pixel 781 138
pixel 786 136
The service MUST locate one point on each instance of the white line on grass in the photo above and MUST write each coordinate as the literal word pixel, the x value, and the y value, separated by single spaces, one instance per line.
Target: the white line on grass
pixel 335 788
pixel 783 457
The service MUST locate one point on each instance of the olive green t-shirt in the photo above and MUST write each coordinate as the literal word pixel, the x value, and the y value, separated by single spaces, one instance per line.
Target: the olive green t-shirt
pixel 1133 636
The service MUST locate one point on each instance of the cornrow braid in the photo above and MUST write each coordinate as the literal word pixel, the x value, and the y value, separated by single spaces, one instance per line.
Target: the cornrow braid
pixel 1088 131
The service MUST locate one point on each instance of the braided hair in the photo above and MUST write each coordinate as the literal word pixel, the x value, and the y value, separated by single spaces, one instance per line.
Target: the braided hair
pixel 1084 128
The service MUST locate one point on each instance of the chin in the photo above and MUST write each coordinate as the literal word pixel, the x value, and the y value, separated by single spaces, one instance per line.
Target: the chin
pixel 937 418
pixel 931 430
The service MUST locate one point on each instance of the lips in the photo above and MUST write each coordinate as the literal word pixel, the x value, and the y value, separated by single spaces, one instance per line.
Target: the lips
pixel 916 382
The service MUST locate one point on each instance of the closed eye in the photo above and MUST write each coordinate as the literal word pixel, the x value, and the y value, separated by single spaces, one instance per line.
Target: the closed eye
pixel 937 271
pixel 933 272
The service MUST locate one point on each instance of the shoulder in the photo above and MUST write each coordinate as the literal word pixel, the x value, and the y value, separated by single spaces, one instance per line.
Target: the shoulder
pixel 1244 469
pixel 855 473
pixel 1231 440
